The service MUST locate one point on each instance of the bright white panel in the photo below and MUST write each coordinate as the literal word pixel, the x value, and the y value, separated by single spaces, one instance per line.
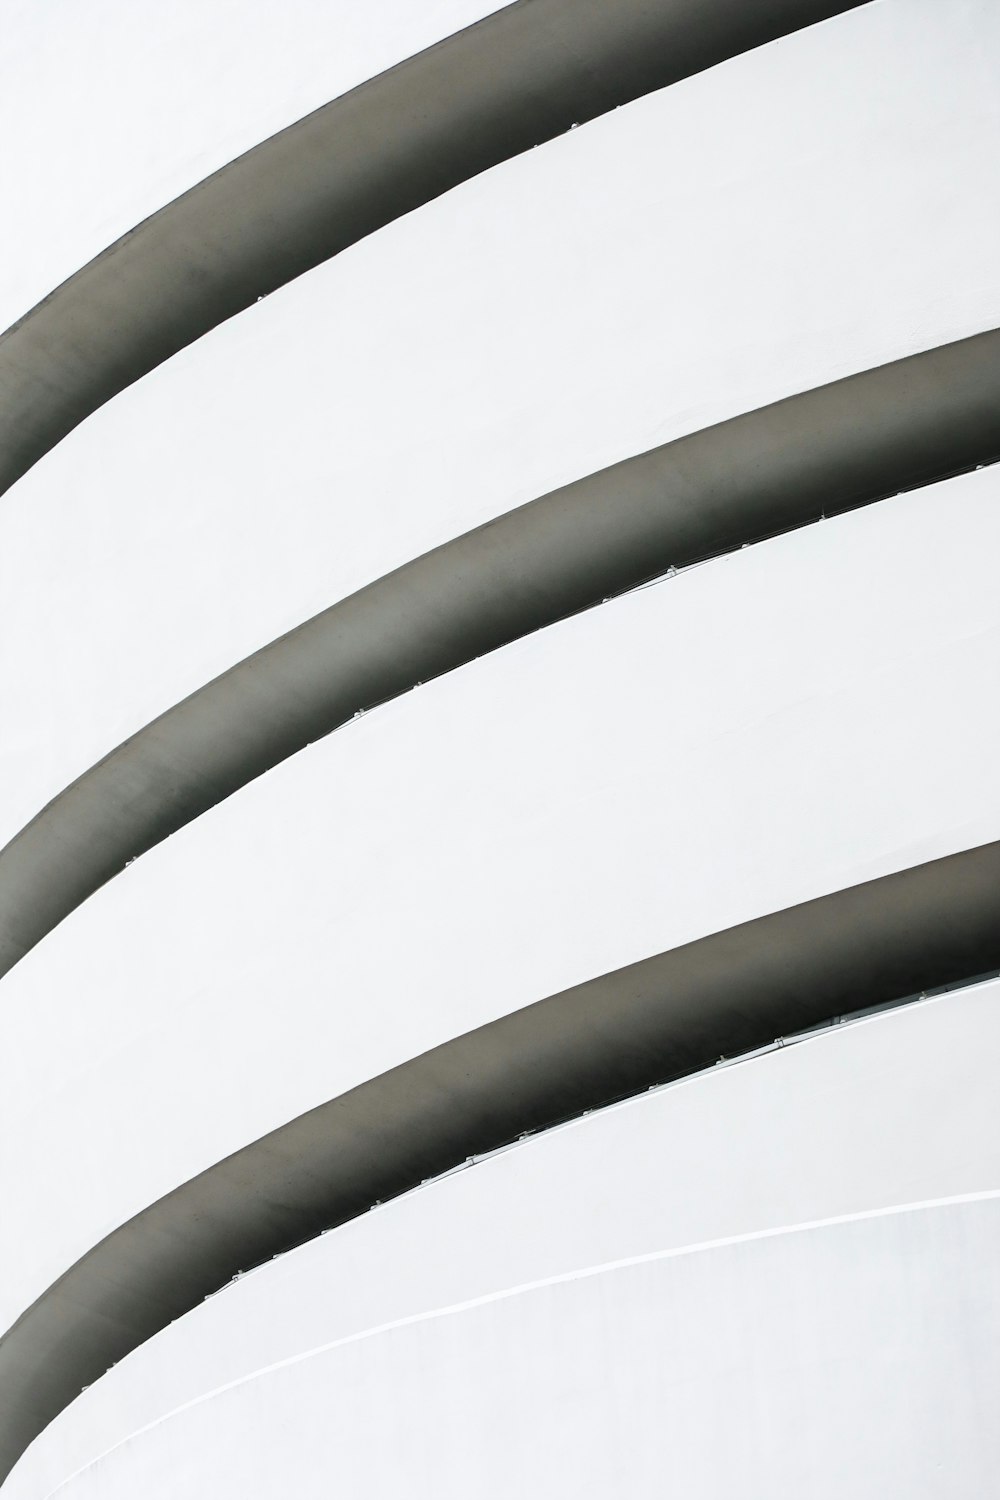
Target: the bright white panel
pixel 803 212
pixel 797 1365
pixel 895 1110
pixel 784 722
pixel 110 109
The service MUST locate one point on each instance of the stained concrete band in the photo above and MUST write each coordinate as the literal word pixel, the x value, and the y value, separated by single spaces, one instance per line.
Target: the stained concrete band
pixel 658 1020
pixel 831 449
pixel 513 80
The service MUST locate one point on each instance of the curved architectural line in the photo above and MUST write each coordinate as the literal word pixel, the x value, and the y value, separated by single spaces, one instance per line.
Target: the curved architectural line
pixel 657 1020
pixel 517 78
pixel 831 449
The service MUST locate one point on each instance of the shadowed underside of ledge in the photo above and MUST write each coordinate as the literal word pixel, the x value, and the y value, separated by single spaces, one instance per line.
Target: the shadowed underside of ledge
pixel 660 1019
pixel 512 81
pixel 828 450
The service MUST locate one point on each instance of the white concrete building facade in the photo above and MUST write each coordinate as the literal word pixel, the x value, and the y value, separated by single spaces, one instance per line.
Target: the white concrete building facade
pixel 499 821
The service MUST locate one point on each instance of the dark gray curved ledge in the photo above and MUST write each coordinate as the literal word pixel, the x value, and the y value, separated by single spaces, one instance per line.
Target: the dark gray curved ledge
pixel 838 447
pixel 488 93
pixel 661 1019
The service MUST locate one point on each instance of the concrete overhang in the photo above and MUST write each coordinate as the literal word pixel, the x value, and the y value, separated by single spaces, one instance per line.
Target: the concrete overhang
pixel 828 450
pixel 512 81
pixel 661 1019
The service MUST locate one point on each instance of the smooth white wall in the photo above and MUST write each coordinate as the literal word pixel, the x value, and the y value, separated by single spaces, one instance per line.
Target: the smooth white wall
pixel 802 1364
pixel 893 1111
pixel 794 718
pixel 110 109
pixel 803 212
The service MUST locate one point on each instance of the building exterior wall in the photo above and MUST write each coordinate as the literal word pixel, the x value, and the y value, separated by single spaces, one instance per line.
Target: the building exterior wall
pixel 122 116
pixel 383 404
pixel 806 1226
pixel 726 743
pixel 776 1276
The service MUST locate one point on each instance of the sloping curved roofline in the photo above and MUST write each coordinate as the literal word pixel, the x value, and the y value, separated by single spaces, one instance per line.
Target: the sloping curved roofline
pixel 657 1020
pixel 519 77
pixel 828 450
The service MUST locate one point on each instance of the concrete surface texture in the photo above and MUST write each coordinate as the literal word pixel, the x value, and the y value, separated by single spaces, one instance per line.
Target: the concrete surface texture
pixel 727 743
pixel 580 304
pixel 708 1281
pixel 125 112
pixel 518 77
pixel 813 455
pixel 546 642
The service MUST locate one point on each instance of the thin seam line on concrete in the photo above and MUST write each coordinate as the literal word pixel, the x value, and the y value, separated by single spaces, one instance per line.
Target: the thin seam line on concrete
pixel 562 1278
pixel 660 1018
pixel 834 1025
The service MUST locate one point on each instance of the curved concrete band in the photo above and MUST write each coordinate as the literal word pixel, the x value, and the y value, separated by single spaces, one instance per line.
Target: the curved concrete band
pixel 843 445
pixel 515 79
pixel 657 1020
